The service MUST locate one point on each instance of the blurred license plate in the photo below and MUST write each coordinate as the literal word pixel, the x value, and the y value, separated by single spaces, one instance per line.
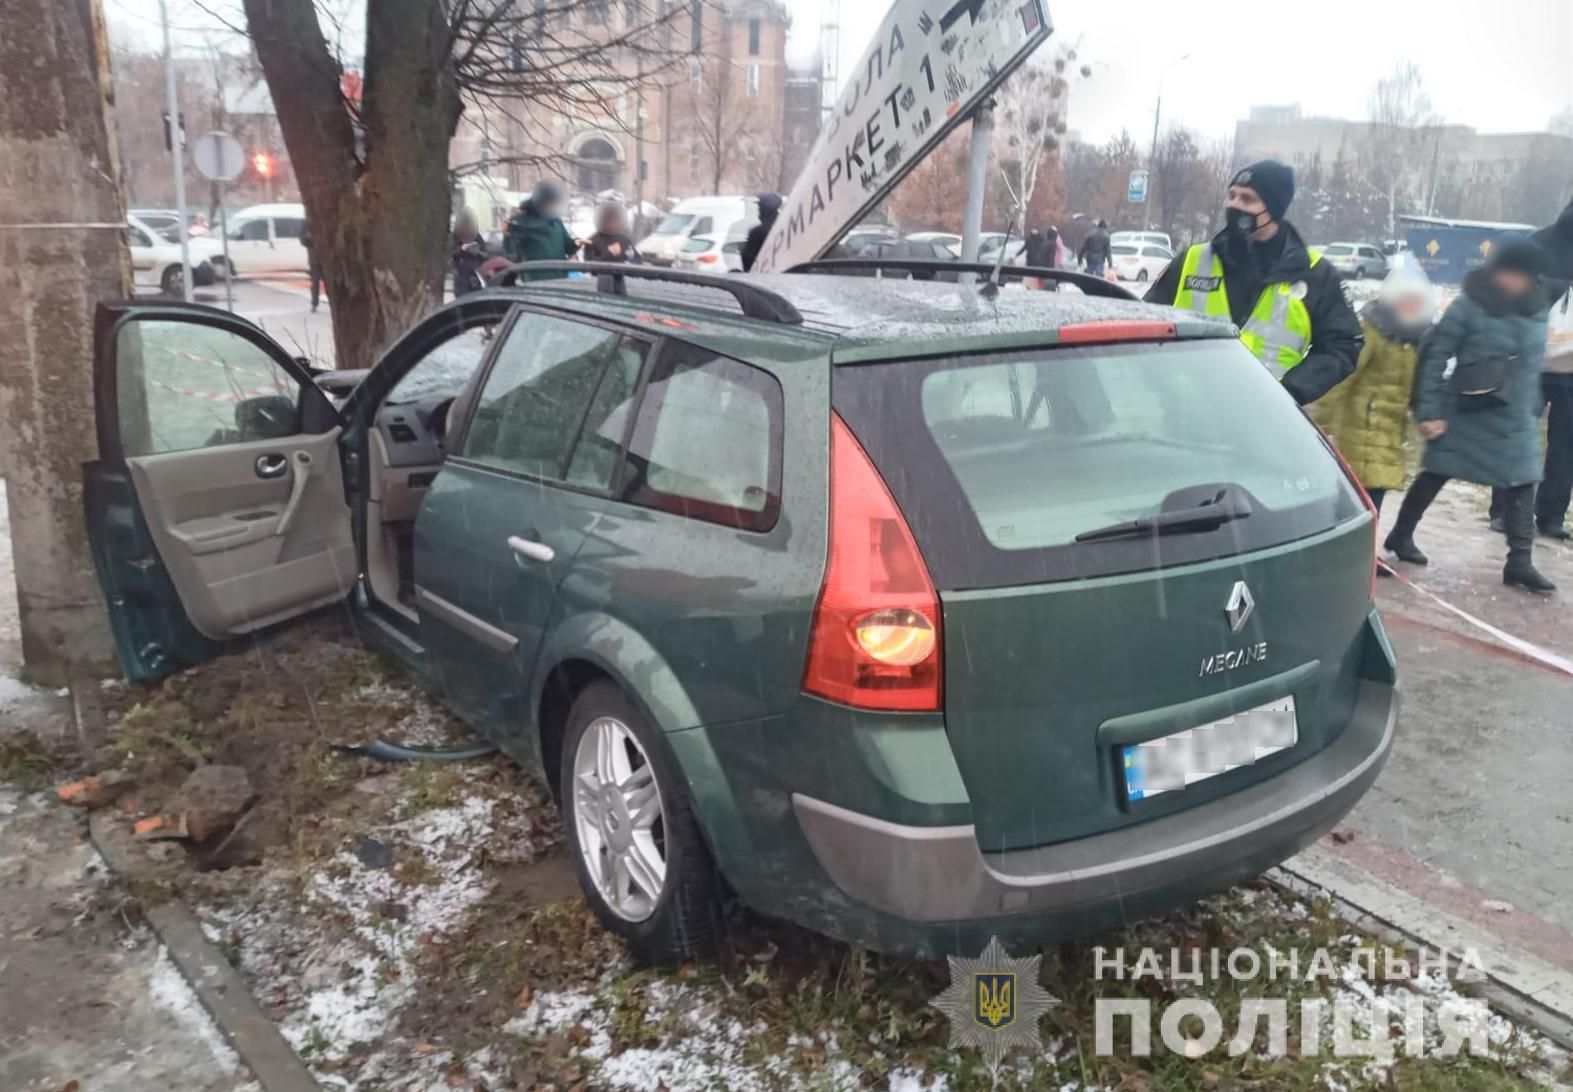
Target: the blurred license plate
pixel 1184 758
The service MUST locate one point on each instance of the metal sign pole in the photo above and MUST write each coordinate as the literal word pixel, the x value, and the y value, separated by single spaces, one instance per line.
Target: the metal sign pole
pixel 177 148
pixel 977 183
pixel 229 267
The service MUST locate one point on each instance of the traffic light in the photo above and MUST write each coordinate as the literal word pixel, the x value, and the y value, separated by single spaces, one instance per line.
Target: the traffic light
pixel 262 163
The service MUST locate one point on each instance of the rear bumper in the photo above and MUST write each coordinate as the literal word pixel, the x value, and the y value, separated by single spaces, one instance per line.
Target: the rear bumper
pixel 938 874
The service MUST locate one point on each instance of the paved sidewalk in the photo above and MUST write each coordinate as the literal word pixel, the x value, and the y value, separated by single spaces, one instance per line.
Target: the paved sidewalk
pixel 84 995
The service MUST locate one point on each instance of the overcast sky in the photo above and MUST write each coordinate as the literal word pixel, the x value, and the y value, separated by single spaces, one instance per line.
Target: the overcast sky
pixel 1501 66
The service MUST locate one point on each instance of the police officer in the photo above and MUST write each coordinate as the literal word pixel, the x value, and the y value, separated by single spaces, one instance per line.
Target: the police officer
pixel 1289 306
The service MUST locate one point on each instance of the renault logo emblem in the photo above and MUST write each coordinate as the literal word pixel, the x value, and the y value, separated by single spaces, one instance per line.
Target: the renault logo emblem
pixel 1240 606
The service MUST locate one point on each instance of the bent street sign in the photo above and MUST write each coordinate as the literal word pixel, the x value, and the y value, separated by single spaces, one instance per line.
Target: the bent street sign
pixel 930 63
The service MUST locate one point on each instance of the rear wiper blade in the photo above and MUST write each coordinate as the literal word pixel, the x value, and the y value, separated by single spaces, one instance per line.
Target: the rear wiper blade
pixel 1207 516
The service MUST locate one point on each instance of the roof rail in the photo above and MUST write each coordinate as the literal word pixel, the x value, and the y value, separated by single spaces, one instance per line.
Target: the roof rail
pixel 612 278
pixel 1090 285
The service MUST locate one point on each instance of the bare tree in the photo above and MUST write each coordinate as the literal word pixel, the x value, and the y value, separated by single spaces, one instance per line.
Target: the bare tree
pixel 373 169
pixel 1188 183
pixel 1394 155
pixel 721 122
pixel 1029 122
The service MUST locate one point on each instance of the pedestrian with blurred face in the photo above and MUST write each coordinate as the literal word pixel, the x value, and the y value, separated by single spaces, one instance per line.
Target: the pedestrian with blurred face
pixel 1481 419
pixel 536 233
pixel 468 252
pixel 611 242
pixel 1367 415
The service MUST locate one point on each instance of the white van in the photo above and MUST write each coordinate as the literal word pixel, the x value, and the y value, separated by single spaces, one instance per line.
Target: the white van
pixel 266 239
pixel 709 216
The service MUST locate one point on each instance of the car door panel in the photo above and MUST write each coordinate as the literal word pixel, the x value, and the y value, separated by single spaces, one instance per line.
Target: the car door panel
pixel 218 503
pixel 240 553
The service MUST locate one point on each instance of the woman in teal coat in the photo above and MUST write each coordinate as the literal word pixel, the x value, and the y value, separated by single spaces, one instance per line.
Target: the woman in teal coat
pixel 1481 419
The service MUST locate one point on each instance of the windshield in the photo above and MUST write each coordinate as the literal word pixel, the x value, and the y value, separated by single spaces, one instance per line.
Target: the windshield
pixel 674 223
pixel 1001 461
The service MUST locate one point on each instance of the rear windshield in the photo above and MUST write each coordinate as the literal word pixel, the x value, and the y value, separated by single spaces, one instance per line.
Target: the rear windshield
pixel 999 461
pixel 1122 248
pixel 674 223
pixel 1340 250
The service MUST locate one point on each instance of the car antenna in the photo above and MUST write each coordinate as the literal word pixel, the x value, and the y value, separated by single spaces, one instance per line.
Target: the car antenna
pixel 991 287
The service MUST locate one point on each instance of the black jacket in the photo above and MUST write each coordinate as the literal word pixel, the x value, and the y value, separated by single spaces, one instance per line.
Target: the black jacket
pixel 600 247
pixel 1095 248
pixel 467 264
pixel 1335 331
pixel 1557 241
pixel 1040 249
pixel 756 240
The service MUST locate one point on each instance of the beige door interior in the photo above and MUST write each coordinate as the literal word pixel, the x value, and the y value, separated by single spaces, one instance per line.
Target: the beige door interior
pixel 248 512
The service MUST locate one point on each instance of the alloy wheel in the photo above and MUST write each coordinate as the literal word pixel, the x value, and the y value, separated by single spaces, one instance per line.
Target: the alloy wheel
pixel 619 819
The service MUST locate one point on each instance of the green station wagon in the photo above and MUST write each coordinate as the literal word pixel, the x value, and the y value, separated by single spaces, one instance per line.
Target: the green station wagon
pixel 911 612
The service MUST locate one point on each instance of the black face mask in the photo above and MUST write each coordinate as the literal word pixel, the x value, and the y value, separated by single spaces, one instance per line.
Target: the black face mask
pixel 1240 222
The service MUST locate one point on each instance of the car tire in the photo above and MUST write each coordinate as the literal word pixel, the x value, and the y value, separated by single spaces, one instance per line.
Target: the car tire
pixel 1141 276
pixel 1359 272
pixel 203 275
pixel 614 845
pixel 172 281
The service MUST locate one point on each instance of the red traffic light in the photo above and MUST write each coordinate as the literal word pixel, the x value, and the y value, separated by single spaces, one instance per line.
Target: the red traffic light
pixel 262 163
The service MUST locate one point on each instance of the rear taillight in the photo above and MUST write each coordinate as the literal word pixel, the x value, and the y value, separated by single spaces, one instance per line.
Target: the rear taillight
pixel 1365 498
pixel 875 642
pixel 707 259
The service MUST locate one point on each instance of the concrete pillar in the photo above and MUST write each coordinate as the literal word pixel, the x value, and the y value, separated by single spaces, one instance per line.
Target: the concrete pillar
pixel 62 249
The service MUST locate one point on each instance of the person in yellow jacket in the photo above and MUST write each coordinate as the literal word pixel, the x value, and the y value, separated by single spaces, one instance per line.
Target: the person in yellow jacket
pixel 1257 272
pixel 1367 415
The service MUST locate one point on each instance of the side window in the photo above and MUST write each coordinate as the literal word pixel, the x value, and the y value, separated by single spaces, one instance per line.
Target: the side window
pixel 182 385
pixel 707 441
pixel 540 386
pixel 702 226
pixel 139 238
pixel 253 231
pixel 288 227
pixel 601 436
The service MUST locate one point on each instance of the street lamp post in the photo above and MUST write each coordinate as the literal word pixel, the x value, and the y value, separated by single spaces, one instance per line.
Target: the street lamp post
pixel 1157 112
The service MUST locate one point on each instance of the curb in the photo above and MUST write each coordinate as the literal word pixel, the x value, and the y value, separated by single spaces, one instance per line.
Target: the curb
pixel 223 993
pixel 1519 984
pixel 225 996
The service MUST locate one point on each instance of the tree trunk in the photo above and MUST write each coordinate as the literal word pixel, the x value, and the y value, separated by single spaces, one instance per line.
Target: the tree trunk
pixel 62 249
pixel 379 215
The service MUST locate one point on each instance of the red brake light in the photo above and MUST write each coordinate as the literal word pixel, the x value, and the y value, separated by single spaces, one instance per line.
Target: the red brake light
pixel 706 258
pixel 1092 333
pixel 875 642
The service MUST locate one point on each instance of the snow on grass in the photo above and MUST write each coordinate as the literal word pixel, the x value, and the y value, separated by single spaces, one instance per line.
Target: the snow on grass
pixel 339 956
pixel 171 993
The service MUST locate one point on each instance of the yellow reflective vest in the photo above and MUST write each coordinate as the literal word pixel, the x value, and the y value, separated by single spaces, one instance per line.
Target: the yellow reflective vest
pixel 1278 330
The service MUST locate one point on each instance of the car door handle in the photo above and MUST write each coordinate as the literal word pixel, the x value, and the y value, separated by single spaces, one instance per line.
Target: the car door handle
pixel 535 551
pixel 271 465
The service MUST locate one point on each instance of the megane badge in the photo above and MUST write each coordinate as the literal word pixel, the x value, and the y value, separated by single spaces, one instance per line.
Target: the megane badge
pixel 1240 606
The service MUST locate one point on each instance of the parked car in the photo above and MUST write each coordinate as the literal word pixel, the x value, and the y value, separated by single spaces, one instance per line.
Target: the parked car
pixel 153 257
pixel 1355 260
pixel 904 620
pixel 860 237
pixel 713 216
pixel 1141 262
pixel 267 239
pixel 1157 238
pixel 709 254
pixel 951 243
pixel 1014 246
pixel 164 222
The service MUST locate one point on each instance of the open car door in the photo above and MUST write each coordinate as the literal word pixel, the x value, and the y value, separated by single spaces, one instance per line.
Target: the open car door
pixel 217 505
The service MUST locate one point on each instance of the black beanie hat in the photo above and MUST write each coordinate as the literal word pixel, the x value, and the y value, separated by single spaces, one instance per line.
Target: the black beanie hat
pixel 1273 182
pixel 1518 253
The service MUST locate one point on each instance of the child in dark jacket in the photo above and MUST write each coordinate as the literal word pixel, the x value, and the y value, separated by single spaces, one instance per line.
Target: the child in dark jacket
pixel 611 242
